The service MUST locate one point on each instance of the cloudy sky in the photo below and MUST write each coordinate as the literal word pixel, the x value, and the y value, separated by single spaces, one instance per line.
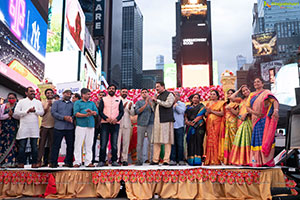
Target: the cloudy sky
pixel 231 30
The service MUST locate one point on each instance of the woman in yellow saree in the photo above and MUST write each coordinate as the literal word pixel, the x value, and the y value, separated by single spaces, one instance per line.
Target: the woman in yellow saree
pixel 231 112
pixel 240 153
pixel 263 107
pixel 214 128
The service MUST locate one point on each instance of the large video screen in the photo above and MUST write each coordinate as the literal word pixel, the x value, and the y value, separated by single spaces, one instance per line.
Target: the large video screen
pixel 195 43
pixel 193 9
pixel 74 28
pixel 23 34
pixel 195 75
pixel 264 44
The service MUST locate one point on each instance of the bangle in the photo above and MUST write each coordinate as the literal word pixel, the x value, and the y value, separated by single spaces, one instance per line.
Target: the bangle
pixel 276 110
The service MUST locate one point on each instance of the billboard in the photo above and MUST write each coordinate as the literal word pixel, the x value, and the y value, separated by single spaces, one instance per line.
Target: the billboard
pixel 264 44
pixel 75 87
pixel 193 9
pixel 195 43
pixel 170 75
pixel 269 70
pixel 23 37
pixel 54 31
pixel 89 43
pixel 74 27
pixel 286 81
pixel 195 75
pixel 99 9
pixel 88 73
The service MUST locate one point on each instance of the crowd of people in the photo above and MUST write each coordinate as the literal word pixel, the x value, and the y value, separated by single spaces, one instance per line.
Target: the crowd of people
pixel 239 131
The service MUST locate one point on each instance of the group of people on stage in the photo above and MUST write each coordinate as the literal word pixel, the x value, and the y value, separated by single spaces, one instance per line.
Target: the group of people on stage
pixel 239 131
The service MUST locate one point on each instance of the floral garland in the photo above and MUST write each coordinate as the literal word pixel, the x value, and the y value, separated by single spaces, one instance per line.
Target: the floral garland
pixel 17 177
pixel 174 176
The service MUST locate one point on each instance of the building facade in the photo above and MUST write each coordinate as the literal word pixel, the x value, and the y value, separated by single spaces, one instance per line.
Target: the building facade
pixel 160 62
pixel 241 60
pixel 132 45
pixel 150 77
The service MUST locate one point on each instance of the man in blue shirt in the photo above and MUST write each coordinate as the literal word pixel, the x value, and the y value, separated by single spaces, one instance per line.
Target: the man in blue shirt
pixel 177 148
pixel 62 111
pixel 84 111
pixel 144 124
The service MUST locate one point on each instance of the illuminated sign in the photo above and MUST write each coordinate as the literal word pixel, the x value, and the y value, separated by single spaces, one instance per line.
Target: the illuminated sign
pixel 99 7
pixel 264 44
pixel 190 8
pixel 191 41
pixel 26 23
pixel 18 67
pixel 195 75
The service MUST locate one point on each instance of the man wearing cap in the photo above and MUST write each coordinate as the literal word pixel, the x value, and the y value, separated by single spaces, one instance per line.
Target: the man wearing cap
pixel 62 111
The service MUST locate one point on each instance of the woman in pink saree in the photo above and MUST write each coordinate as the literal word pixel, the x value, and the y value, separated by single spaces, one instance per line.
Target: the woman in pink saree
pixel 263 107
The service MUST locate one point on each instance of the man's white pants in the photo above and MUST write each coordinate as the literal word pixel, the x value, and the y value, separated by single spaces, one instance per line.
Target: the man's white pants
pixel 86 135
pixel 124 139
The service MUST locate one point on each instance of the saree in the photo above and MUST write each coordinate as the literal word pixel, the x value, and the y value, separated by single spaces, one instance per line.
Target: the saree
pixel 195 134
pixel 263 134
pixel 230 130
pixel 240 153
pixel 214 135
pixel 8 132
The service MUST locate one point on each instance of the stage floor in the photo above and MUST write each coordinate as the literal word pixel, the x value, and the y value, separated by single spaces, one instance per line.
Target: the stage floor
pixel 145 167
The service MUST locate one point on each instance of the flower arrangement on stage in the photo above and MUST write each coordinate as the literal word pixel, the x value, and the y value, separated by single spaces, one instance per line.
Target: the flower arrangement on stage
pixel 135 94
pixel 227 73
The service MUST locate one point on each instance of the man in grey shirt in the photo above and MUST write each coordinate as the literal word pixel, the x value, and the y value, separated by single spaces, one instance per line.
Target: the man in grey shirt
pixel 144 124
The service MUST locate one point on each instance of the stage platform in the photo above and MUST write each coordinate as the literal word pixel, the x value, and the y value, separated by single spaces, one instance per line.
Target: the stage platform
pixel 143 182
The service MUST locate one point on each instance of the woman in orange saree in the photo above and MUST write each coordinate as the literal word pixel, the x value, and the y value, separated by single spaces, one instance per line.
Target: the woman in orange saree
pixel 240 153
pixel 214 128
pixel 263 107
pixel 231 112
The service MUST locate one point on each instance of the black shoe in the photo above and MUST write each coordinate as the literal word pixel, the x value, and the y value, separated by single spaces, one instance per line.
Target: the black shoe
pixel 53 165
pixel 138 163
pixel 67 165
pixel 101 164
pixel 115 164
pixel 154 163
pixel 166 164
pixel 124 163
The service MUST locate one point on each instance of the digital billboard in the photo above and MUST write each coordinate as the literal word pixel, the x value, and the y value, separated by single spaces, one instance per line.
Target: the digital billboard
pixel 269 70
pixel 88 74
pixel 195 43
pixel 54 32
pixel 23 34
pixel 195 75
pixel 264 44
pixel 193 9
pixel 170 75
pixel 74 27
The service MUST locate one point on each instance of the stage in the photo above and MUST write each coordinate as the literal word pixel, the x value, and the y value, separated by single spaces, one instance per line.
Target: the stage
pixel 176 182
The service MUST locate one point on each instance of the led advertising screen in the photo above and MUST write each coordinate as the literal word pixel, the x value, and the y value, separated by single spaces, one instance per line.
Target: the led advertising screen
pixel 23 34
pixel 264 44
pixel 193 9
pixel 99 8
pixel 270 69
pixel 74 28
pixel 195 75
pixel 195 43
pixel 54 32
pixel 88 74
pixel 170 75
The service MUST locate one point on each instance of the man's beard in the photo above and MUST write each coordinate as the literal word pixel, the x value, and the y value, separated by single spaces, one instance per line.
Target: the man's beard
pixel 67 98
pixel 111 93
pixel 124 96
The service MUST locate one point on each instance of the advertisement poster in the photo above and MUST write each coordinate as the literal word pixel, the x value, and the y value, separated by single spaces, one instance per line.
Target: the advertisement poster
pixel 264 44
pixel 23 38
pixel 88 74
pixel 54 31
pixel 75 87
pixel 170 75
pixel 193 8
pixel 74 32
pixel 270 69
pixel 195 75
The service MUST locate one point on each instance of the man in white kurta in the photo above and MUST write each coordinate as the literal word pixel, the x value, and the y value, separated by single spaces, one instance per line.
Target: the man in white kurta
pixel 28 110
pixel 125 128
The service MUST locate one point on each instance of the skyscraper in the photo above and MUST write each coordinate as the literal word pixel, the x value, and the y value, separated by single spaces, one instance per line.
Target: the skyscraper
pixel 160 61
pixel 241 60
pixel 132 45
pixel 276 11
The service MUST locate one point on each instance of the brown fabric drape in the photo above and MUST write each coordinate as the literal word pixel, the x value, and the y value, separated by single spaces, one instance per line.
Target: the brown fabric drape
pixel 76 184
pixel 199 189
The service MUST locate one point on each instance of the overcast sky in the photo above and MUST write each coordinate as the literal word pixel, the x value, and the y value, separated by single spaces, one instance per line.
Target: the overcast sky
pixel 231 30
